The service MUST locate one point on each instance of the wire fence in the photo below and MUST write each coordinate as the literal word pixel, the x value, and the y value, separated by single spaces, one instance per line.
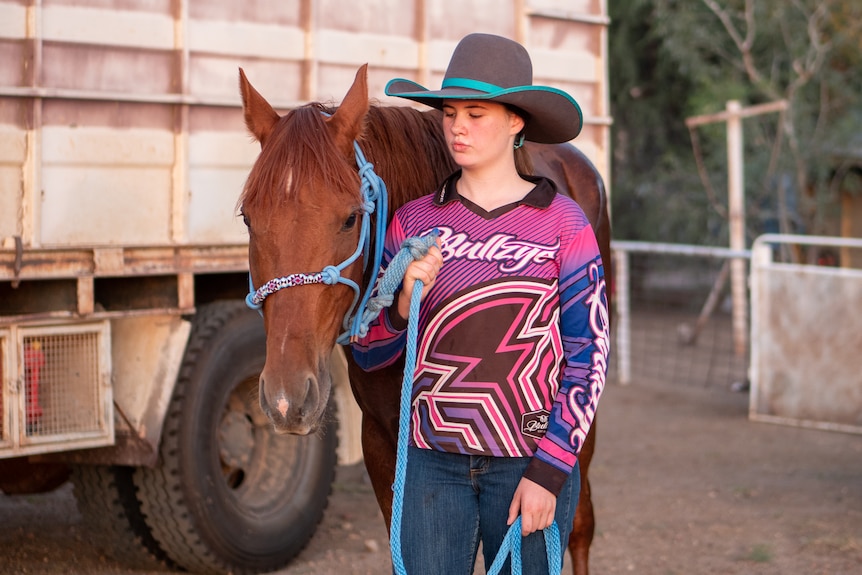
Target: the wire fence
pixel 675 318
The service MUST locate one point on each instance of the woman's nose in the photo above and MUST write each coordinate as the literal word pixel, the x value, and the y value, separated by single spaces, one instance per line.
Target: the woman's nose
pixel 457 125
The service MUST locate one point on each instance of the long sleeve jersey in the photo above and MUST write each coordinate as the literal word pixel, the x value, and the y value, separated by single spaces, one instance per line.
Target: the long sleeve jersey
pixel 513 335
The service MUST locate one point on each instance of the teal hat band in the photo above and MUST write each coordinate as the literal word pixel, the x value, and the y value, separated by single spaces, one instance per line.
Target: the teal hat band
pixel 470 85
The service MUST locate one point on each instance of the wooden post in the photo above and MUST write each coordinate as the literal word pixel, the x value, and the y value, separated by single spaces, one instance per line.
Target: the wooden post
pixel 308 17
pixel 423 37
pixel 180 169
pixel 733 115
pixel 736 214
pixel 30 229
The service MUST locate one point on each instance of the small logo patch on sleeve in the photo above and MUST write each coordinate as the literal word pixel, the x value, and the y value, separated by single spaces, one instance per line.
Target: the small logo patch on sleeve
pixel 535 423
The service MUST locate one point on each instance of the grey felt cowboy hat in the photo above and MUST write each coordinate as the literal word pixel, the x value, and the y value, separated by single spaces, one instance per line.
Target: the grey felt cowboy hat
pixel 488 67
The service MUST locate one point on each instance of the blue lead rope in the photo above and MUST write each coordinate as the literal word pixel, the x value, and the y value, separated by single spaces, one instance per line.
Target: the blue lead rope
pixel 416 248
pixel 512 546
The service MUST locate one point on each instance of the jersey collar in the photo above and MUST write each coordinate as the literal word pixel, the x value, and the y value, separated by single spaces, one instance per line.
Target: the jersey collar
pixel 540 196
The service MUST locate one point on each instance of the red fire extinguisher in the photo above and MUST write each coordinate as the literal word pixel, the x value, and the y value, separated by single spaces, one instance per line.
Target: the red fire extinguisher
pixel 34 361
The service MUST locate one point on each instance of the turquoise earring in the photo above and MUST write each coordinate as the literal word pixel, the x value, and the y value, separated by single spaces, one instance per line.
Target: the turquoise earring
pixel 519 141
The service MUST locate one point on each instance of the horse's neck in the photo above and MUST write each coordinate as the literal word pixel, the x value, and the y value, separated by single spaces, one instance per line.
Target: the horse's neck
pixel 414 161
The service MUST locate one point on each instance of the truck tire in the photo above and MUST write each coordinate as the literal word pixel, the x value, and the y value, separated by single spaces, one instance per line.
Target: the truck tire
pixel 112 516
pixel 228 493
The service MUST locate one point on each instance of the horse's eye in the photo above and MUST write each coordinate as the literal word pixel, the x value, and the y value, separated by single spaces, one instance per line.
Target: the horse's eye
pixel 245 220
pixel 349 223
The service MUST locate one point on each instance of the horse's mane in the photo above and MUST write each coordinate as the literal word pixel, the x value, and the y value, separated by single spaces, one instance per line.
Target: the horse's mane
pixel 408 151
pixel 406 147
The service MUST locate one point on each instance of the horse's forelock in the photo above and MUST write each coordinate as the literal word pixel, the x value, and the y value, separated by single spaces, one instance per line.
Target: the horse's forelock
pixel 299 151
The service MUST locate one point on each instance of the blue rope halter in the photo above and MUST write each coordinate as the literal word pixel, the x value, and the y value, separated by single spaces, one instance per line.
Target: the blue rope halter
pixel 374 199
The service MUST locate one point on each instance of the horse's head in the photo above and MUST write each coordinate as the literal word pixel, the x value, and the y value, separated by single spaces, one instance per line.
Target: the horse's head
pixel 302 206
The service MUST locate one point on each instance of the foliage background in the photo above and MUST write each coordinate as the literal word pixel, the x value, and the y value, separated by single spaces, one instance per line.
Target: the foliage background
pixel 673 59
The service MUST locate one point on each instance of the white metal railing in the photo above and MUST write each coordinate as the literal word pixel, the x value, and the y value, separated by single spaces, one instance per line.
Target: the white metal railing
pixel 622 302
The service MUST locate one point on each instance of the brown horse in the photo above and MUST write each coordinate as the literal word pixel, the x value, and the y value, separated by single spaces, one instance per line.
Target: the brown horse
pixel 301 204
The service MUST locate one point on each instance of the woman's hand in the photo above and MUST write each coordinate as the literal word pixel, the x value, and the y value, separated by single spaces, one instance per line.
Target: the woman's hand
pixel 535 504
pixel 424 270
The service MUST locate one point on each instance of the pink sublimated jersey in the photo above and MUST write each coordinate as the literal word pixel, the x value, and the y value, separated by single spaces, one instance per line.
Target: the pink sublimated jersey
pixel 513 336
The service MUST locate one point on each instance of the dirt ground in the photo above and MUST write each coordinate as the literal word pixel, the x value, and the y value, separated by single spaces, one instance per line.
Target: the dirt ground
pixel 682 483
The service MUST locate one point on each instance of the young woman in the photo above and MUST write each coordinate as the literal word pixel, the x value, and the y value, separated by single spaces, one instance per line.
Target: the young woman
pixel 513 338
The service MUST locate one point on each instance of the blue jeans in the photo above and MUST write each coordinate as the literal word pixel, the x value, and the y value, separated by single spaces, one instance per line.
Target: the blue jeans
pixel 453 501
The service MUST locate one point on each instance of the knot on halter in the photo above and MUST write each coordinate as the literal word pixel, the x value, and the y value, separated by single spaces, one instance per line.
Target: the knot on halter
pixel 364 170
pixel 331 275
pixel 368 207
pixel 370 180
pixel 250 301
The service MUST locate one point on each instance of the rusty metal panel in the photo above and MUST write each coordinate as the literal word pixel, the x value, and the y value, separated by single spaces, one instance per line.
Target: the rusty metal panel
pixel 13 51
pixel 806 337
pixel 146 354
pixel 106 186
pixel 218 166
pixel 452 19
pixel 12 151
pixel 262 11
pixel 127 261
pixel 132 5
pixel 95 68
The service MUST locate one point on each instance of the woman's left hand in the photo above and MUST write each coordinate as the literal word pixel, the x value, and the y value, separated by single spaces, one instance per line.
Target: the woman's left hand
pixel 535 505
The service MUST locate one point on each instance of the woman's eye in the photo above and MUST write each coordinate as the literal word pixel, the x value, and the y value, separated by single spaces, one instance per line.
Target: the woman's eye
pixel 349 223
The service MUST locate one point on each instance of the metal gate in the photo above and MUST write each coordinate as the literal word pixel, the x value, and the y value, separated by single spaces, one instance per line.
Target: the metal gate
pixel 806 334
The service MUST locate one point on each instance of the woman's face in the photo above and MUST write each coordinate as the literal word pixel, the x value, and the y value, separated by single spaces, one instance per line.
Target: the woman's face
pixel 479 132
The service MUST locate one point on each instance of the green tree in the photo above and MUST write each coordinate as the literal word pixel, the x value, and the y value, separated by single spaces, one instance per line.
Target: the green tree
pixel 671 59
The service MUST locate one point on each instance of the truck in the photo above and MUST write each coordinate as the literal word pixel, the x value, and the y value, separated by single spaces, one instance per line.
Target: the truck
pixel 129 362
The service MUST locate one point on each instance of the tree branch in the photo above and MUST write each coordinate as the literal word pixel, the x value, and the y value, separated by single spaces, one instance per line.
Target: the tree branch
pixel 745 45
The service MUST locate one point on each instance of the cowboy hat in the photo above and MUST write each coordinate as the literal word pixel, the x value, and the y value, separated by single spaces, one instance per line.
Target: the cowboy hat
pixel 488 67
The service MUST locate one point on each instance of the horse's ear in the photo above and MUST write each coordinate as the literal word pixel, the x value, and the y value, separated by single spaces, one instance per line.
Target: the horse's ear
pixel 348 119
pixel 259 115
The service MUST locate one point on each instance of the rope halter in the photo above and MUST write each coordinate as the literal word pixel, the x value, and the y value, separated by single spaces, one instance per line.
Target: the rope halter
pixel 374 199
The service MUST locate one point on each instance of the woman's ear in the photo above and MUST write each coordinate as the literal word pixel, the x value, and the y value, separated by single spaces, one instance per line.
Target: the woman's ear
pixel 516 123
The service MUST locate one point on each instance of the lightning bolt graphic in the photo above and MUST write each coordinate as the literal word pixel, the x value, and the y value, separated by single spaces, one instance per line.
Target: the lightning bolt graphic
pixel 512 325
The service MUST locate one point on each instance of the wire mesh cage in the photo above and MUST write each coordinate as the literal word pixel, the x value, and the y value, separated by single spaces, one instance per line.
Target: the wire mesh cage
pixel 63 386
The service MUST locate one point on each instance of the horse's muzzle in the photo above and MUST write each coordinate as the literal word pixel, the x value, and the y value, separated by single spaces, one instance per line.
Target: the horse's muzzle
pixel 299 413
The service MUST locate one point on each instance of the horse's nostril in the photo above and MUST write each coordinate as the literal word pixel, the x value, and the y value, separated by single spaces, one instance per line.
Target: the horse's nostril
pixel 283 405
